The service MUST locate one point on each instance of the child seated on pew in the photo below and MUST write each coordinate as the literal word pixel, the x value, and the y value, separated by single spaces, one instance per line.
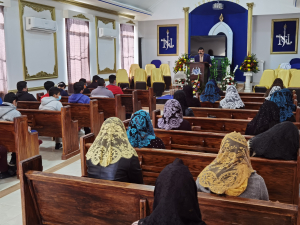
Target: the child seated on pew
pixel 172 118
pixel 62 86
pixel 231 172
pixel 175 198
pixel 47 86
pixel 53 103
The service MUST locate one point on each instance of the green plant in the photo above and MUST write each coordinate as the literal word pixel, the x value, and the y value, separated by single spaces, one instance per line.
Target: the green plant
pixel 214 69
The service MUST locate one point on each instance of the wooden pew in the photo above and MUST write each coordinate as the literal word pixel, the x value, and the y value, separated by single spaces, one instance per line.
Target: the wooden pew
pixel 244 94
pixel 250 99
pixel 131 102
pixel 55 124
pixel 48 198
pixel 87 115
pixel 14 136
pixel 147 97
pixel 111 107
pixel 219 125
pixel 39 95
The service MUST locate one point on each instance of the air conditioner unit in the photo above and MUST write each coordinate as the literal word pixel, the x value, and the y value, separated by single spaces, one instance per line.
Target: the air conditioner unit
pixel 107 33
pixel 41 25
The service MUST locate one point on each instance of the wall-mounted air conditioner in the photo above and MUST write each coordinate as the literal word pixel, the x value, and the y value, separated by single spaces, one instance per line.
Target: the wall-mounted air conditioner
pixel 107 33
pixel 41 25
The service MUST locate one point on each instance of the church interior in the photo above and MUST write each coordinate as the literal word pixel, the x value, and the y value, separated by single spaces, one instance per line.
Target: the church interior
pixel 140 112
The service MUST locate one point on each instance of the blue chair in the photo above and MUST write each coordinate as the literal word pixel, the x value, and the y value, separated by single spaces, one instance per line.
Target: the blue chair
pixel 295 61
pixel 156 62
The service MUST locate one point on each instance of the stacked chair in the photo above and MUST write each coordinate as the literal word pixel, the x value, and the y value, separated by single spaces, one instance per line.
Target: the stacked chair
pixel 122 78
pixel 167 75
pixel 157 82
pixel 266 81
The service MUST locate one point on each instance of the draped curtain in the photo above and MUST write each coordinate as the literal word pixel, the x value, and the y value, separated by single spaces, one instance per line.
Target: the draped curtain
pixel 77 32
pixel 127 46
pixel 3 75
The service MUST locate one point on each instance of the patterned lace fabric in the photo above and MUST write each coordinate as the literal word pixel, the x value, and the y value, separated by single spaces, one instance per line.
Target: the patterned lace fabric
pixel 140 131
pixel 284 100
pixel 232 99
pixel 273 90
pixel 172 117
pixel 229 172
pixel 210 94
pixel 175 198
pixel 111 144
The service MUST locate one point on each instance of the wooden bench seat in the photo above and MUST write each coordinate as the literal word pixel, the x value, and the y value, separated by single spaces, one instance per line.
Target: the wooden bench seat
pixel 87 115
pixel 250 99
pixel 49 198
pixel 244 94
pixel 55 124
pixel 131 102
pixel 14 136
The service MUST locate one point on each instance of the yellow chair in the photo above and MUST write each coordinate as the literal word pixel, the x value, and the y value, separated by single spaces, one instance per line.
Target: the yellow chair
pixel 267 79
pixel 277 72
pixel 149 68
pixel 157 81
pixel 140 79
pixel 122 78
pixel 133 67
pixel 167 75
pixel 284 75
pixel 295 79
pixel 291 71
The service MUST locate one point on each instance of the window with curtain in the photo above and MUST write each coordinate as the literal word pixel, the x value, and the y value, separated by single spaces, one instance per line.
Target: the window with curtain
pixel 3 75
pixel 127 46
pixel 77 32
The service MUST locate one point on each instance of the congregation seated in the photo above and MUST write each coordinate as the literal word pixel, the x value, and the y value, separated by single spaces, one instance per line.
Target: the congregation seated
pixel 175 198
pixel 232 99
pixel 22 93
pixel 189 97
pixel 181 98
pixel 62 86
pixel 112 85
pixel 140 132
pixel 279 142
pixel 53 103
pixel 47 86
pixel 267 117
pixel 284 100
pixel 277 82
pixel 101 90
pixel 172 118
pixel 231 172
pixel 8 109
pixel 111 156
pixel 211 92
pixel 85 90
pixel 78 96
pixel 94 84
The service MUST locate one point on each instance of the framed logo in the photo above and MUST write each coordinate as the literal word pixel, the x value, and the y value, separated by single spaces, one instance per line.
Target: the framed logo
pixel 167 40
pixel 284 38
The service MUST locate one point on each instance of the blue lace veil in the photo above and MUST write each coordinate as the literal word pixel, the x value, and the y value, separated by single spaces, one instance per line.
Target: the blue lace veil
pixel 210 94
pixel 140 130
pixel 284 100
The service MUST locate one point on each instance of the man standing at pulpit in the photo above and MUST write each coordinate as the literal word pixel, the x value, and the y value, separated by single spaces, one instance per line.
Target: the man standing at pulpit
pixel 202 57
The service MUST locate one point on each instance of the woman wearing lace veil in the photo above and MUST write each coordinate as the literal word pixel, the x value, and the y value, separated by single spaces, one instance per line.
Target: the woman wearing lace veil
pixel 111 156
pixel 140 132
pixel 231 172
pixel 232 99
pixel 175 198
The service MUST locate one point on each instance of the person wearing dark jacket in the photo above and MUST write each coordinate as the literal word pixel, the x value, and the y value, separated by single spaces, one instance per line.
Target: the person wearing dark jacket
pixel 85 90
pixel 94 84
pixel 62 86
pixel 189 96
pixel 181 98
pixel 78 96
pixel 111 156
pixel 22 93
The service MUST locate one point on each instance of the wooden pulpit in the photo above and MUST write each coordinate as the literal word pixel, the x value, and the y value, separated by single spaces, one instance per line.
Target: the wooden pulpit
pixel 199 70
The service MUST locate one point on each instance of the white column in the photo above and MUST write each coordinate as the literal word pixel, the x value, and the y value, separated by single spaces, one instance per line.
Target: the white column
pixel 248 76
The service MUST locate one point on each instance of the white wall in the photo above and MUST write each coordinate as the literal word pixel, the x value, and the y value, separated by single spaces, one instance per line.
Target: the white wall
pixel 13 42
pixel 261 42
pixel 148 32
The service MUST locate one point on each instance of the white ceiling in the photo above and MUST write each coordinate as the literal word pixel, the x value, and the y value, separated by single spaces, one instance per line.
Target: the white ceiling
pixel 142 4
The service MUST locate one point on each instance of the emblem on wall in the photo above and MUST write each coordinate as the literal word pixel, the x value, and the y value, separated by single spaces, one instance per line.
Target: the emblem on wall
pixel 284 36
pixel 167 40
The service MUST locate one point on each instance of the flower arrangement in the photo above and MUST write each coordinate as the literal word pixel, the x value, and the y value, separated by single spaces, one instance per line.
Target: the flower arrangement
pixel 196 86
pixel 180 63
pixel 228 78
pixel 250 64
pixel 180 81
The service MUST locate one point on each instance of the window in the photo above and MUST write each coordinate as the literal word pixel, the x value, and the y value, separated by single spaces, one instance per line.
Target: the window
pixel 127 46
pixel 77 32
pixel 3 75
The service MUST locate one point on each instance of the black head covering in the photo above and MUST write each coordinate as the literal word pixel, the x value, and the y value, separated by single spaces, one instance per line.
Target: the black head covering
pixel 189 96
pixel 279 142
pixel 180 97
pixel 267 116
pixel 175 198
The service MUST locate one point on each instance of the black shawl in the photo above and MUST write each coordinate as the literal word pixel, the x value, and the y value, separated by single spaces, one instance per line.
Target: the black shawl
pixel 267 116
pixel 175 198
pixel 279 142
pixel 189 96
pixel 180 97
